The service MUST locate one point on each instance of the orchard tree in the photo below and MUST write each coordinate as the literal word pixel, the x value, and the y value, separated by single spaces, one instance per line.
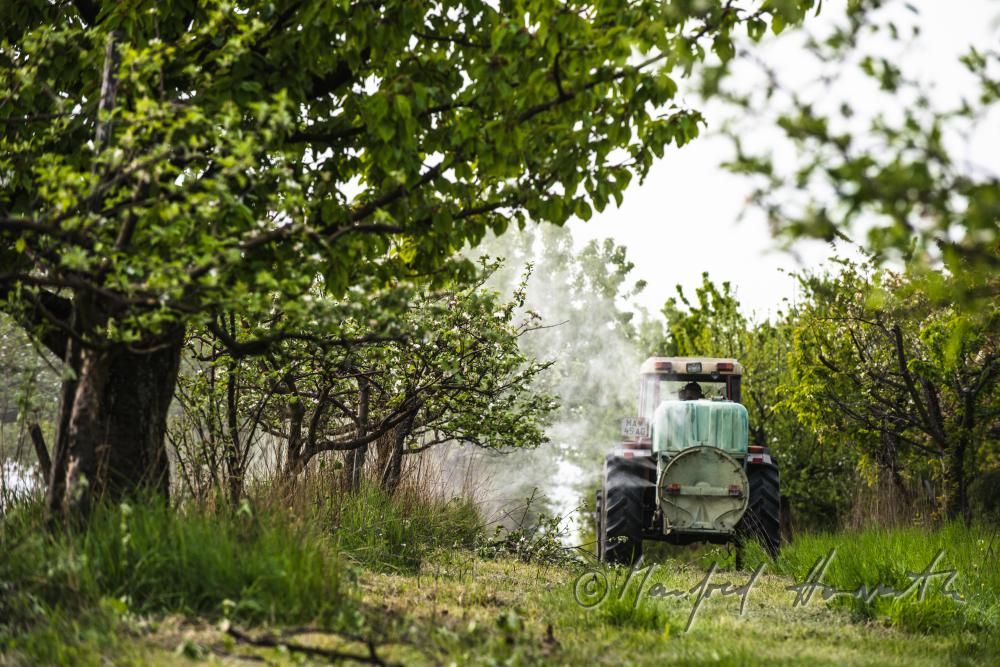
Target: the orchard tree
pixel 905 380
pixel 165 162
pixel 459 375
pixel 902 370
pixel 885 160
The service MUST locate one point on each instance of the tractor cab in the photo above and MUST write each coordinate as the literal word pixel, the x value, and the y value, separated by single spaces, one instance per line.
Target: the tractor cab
pixel 664 378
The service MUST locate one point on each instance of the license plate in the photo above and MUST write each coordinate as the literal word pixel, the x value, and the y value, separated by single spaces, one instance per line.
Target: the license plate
pixel 635 427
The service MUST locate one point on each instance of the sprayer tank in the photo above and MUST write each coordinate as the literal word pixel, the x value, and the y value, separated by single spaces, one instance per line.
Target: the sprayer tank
pixel 679 425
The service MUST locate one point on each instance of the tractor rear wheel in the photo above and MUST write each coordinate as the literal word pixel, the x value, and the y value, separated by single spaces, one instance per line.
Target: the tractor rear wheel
pixel 620 534
pixel 762 520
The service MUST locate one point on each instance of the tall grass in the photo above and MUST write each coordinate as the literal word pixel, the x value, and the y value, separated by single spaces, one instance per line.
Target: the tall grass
pixel 285 556
pixel 188 560
pixel 280 557
pixel 881 556
pixel 397 532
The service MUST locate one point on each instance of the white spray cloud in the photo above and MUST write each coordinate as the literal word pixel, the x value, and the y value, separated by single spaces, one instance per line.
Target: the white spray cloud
pixel 585 301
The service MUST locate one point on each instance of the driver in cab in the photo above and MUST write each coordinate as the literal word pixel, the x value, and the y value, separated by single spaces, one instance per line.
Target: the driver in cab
pixel 691 392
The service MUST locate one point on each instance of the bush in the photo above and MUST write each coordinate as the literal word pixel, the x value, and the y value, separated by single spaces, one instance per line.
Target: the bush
pixel 541 541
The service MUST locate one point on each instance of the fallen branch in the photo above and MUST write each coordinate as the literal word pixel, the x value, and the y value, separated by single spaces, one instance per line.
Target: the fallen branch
pixel 270 641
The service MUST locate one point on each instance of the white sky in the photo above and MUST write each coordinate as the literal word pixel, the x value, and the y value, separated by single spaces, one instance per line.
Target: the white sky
pixel 683 219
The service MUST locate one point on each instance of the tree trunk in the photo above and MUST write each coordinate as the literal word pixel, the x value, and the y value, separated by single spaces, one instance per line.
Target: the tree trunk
pixel 785 519
pixel 295 455
pixel 392 473
pixel 887 460
pixel 957 502
pixel 112 422
pixel 41 451
pixel 356 457
pixel 234 450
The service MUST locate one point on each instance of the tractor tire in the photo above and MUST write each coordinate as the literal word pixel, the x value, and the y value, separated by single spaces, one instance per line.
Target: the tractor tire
pixel 762 520
pixel 620 539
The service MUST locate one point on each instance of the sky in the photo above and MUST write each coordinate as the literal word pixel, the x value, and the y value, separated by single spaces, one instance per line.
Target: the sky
pixel 691 205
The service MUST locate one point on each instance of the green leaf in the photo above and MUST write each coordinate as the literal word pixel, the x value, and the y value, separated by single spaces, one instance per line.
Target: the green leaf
pixel 403 106
pixel 386 131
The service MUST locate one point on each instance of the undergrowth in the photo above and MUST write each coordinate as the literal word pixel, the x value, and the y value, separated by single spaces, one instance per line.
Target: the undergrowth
pixel 75 597
pixel 531 536
pixel 63 592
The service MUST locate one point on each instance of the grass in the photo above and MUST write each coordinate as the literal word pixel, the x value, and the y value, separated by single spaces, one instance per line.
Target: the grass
pixel 264 564
pixel 192 561
pixel 873 557
pixel 395 533
pixel 464 615
pixel 465 619
pixel 146 559
pixel 145 585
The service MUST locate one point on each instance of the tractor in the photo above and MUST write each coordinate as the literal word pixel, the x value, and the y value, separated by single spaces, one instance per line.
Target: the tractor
pixel 685 471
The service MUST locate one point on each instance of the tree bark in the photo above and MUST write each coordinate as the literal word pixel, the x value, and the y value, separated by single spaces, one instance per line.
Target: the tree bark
pixel 234 449
pixel 392 474
pixel 112 423
pixel 957 505
pixel 56 493
pixel 956 480
pixel 356 457
pixel 234 458
pixel 41 451
pixel 887 460
pixel 295 455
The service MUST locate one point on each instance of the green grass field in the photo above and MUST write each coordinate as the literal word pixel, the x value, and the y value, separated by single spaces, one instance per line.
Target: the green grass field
pixel 408 581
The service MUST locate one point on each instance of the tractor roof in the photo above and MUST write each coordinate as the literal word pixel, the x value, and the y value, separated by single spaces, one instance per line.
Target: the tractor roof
pixel 679 365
